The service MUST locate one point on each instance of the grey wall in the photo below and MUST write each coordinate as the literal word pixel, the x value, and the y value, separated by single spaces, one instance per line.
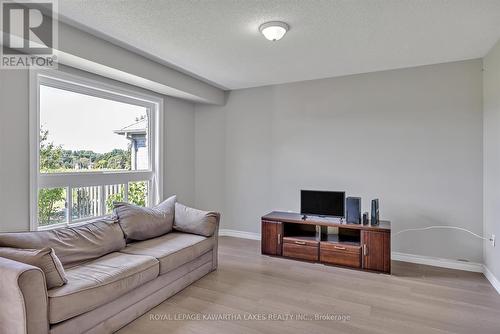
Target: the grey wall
pixel 179 150
pixel 210 147
pixel 411 137
pixel 14 148
pixel 491 105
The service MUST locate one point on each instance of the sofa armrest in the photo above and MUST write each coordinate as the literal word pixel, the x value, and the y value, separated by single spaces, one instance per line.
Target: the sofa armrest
pixel 23 299
pixel 215 259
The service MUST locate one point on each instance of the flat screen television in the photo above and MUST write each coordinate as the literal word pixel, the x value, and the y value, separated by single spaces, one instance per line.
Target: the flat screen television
pixel 322 203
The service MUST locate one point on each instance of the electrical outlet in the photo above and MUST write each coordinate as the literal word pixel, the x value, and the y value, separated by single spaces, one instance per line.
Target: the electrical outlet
pixel 492 239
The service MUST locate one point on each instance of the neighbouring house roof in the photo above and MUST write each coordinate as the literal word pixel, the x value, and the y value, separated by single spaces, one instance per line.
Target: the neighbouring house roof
pixel 137 128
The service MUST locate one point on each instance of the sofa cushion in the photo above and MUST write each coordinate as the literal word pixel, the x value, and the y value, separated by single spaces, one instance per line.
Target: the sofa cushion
pixel 140 223
pixel 172 250
pixel 98 282
pixel 195 221
pixel 44 259
pixel 73 245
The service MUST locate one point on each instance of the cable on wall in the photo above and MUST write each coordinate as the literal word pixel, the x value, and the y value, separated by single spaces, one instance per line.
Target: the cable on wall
pixel 443 227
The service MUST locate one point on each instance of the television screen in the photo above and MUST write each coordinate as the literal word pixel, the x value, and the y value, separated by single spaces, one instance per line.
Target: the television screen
pixel 322 203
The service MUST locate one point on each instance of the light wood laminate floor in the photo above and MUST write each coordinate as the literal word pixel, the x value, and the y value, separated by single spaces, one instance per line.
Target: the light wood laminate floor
pixel 414 299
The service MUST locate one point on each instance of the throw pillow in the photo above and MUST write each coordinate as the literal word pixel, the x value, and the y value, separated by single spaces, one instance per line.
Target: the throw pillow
pixel 44 258
pixel 195 221
pixel 139 223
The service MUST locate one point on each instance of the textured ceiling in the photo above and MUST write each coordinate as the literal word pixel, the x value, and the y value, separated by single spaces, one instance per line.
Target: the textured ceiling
pixel 219 41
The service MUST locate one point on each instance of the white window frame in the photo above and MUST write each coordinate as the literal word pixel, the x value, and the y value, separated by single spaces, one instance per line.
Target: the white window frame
pixel 70 180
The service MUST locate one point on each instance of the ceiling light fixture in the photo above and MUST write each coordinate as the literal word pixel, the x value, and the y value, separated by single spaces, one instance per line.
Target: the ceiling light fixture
pixel 275 30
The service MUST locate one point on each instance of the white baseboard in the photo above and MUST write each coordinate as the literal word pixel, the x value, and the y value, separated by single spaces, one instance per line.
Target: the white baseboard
pixel 239 234
pixel 437 262
pixel 397 256
pixel 493 280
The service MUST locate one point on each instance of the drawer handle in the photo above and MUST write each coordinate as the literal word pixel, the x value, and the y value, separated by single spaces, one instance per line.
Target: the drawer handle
pixel 338 247
pixel 300 242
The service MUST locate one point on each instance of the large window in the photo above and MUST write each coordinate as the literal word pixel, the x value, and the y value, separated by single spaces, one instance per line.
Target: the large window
pixel 95 144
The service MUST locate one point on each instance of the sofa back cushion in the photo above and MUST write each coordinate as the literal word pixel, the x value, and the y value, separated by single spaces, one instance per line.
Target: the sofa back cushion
pixel 44 259
pixel 74 244
pixel 140 223
pixel 190 220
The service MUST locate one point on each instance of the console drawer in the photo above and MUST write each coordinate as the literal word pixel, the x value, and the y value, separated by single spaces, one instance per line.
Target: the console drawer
pixel 301 241
pixel 303 252
pixel 340 255
pixel 337 247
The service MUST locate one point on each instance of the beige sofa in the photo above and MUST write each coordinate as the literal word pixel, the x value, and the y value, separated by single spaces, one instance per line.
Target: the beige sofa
pixel 110 281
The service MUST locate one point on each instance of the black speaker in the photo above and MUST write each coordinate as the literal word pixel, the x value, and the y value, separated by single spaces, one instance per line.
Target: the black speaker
pixel 375 212
pixel 353 212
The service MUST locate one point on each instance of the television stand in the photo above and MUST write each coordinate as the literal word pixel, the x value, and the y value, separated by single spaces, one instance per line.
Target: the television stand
pixel 321 240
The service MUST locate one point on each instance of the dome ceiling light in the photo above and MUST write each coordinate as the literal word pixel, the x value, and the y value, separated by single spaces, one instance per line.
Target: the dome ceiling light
pixel 274 30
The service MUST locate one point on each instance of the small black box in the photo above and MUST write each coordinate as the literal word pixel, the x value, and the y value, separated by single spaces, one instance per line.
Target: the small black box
pixel 365 218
